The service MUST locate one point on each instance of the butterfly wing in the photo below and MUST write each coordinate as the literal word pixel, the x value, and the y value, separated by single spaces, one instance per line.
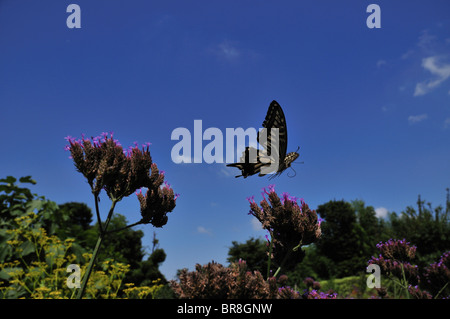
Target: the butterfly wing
pixel 272 153
pixel 247 166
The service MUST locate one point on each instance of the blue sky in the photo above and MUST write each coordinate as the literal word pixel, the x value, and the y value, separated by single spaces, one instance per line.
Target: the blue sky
pixel 369 108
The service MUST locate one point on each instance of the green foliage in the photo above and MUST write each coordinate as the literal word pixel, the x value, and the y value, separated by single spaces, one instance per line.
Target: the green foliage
pixel 253 251
pixel 16 202
pixel 72 220
pixel 39 239
pixel 147 271
pixel 124 245
pixel 427 227
pixel 353 286
pixel 314 265
pixel 44 275
pixel 350 232
pixel 340 240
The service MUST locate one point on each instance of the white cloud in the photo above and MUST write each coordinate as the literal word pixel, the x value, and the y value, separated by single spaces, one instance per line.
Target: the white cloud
pixel 447 123
pixel 407 54
pixel 203 230
pixel 227 171
pixel 388 107
pixel 426 41
pixel 380 63
pixel 256 225
pixel 440 71
pixel 178 159
pixel 413 119
pixel 226 50
pixel 381 212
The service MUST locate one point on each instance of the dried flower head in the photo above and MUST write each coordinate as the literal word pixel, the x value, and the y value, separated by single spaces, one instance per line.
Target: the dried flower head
pixel 107 166
pixel 314 294
pixel 394 259
pixel 158 200
pixel 437 275
pixel 213 281
pixel 417 293
pixel 397 250
pixel 289 220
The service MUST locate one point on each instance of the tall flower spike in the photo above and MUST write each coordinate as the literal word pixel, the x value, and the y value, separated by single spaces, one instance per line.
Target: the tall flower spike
pixel 107 166
pixel 291 226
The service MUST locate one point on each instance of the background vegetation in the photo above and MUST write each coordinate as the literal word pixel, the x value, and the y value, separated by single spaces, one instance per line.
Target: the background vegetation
pixel 39 238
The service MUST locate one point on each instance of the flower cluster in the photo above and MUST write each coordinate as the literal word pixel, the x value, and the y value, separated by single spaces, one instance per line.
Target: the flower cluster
pixel 214 281
pixel 289 293
pixel 106 165
pixel 289 220
pixel 394 259
pixel 311 283
pixel 397 250
pixel 157 201
pixel 314 294
pixel 312 290
pixel 417 293
pixel 436 274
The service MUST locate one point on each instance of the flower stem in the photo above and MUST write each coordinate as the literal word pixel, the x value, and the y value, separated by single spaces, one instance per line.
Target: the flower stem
pixel 99 220
pixel 123 228
pixel 283 262
pixel 442 289
pixel 405 281
pixel 270 256
pixel 96 250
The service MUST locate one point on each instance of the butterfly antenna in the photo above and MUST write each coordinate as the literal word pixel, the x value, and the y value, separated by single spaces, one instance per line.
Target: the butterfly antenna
pixel 295 173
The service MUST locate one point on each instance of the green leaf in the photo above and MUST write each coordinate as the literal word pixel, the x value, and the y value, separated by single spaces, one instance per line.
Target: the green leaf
pixel 53 251
pixel 27 179
pixel 27 248
pixel 8 180
pixel 5 252
pixel 5 272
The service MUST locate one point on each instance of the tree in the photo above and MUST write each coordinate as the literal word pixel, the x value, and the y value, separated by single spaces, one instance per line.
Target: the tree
pixel 427 227
pixel 71 220
pixel 124 245
pixel 253 251
pixel 371 229
pixel 148 270
pixel 341 238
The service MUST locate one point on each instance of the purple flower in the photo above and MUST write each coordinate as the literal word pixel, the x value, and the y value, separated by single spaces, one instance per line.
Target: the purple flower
pixel 290 225
pixel 251 199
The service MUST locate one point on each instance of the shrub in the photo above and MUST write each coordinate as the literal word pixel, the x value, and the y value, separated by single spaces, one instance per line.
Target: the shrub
pixel 39 267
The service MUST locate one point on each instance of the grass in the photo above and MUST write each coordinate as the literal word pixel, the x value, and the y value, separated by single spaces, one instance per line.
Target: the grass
pixel 353 286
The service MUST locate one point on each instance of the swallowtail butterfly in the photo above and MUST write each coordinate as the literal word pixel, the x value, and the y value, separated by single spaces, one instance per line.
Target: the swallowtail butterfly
pixel 264 158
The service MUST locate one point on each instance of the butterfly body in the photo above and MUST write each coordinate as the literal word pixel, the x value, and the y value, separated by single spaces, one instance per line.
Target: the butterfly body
pixel 273 154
